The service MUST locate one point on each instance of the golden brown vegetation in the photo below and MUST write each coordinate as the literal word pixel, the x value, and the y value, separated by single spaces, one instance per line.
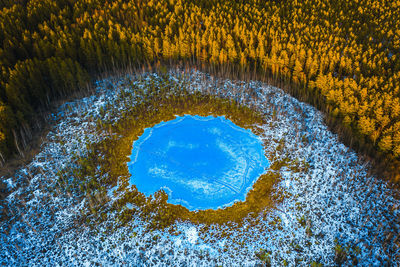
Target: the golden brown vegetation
pixel 163 104
pixel 343 56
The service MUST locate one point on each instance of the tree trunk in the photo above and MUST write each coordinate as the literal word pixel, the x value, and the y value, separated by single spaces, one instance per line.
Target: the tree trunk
pixel 16 144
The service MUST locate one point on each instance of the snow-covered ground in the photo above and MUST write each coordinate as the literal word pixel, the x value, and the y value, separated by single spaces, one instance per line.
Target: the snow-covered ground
pixel 330 202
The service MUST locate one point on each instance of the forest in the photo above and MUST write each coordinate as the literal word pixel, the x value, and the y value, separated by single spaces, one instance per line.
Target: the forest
pixel 342 56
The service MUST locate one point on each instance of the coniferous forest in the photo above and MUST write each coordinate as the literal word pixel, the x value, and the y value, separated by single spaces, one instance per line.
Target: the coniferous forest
pixel 342 56
pixel 310 87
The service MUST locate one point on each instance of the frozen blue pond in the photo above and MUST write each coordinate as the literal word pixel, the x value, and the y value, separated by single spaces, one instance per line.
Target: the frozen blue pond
pixel 200 162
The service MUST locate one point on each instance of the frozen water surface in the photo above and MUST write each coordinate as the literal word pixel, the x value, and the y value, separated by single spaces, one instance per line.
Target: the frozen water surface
pixel 330 190
pixel 200 162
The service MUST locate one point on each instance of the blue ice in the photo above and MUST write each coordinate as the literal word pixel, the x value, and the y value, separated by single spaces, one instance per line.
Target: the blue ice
pixel 200 162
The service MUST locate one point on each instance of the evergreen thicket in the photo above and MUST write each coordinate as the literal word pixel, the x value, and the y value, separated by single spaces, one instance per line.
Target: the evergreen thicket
pixel 344 56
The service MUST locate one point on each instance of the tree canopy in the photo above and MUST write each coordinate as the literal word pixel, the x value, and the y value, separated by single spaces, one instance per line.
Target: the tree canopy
pixel 345 53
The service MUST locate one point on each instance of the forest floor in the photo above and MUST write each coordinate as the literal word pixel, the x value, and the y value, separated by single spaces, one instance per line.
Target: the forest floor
pixel 332 210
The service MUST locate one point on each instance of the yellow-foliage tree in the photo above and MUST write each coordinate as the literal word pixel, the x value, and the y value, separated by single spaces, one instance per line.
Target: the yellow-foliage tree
pixel 337 51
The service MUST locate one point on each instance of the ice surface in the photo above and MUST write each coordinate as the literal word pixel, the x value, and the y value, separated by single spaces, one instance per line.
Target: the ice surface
pixel 331 191
pixel 200 162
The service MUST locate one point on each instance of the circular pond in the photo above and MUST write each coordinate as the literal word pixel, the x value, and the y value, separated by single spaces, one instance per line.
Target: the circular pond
pixel 200 162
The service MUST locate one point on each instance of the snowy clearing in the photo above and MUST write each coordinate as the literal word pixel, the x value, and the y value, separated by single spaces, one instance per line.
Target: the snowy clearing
pixel 330 202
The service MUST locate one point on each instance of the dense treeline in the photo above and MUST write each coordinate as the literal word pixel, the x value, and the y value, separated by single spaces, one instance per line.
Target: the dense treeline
pixel 343 54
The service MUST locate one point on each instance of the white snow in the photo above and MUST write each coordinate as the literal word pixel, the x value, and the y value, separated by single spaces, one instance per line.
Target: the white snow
pixel 191 235
pixel 331 198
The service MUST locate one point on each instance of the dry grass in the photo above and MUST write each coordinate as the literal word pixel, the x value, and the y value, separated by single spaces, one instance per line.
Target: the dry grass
pixel 158 108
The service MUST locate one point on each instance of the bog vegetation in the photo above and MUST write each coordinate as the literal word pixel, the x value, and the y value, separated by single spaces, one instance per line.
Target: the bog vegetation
pixel 156 104
pixel 343 56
